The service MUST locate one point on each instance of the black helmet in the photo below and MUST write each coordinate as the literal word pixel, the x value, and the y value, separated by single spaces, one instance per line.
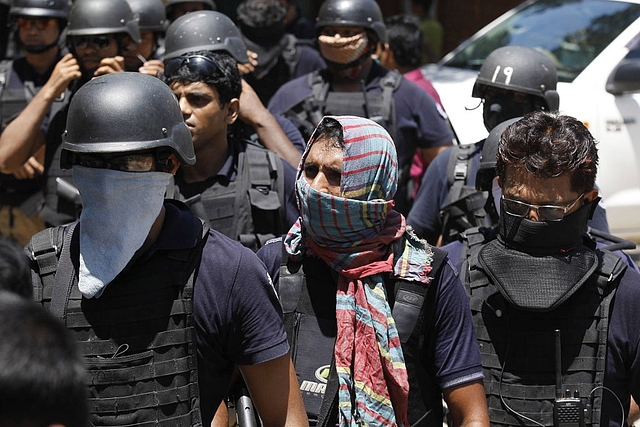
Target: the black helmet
pixel 151 14
pixel 519 69
pixel 41 8
pixel 92 17
pixel 352 13
pixel 487 167
pixel 204 30
pixel 208 4
pixel 125 112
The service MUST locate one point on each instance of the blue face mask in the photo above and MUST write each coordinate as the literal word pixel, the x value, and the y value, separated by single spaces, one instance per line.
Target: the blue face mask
pixel 118 211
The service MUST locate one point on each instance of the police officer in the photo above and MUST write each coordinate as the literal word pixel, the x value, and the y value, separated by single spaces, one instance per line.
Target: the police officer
pixel 98 32
pixel 144 57
pixel 215 31
pixel 556 316
pixel 39 28
pixel 512 81
pixel 164 307
pixel 176 8
pixel 378 318
pixel 280 57
pixel 348 32
pixel 242 190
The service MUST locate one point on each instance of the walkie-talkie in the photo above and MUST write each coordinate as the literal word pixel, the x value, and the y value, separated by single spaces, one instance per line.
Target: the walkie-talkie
pixel 567 411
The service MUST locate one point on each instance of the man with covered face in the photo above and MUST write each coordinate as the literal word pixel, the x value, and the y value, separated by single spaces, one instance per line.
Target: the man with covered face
pixel 378 320
pixel 164 308
pixel 348 33
pixel 556 317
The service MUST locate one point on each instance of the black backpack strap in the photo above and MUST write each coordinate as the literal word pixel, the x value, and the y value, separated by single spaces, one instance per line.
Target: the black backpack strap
pixel 6 66
pixel 610 268
pixel 265 189
pixel 65 275
pixel 291 54
pixel 45 249
pixel 290 291
pixel 389 84
pixel 329 408
pixel 409 299
pixel 458 168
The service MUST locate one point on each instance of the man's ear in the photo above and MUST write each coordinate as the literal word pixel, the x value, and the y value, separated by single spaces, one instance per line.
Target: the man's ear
pixel 590 195
pixel 172 163
pixel 233 108
pixel 384 55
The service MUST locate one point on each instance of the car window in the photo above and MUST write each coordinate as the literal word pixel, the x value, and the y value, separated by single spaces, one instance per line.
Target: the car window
pixel 571 32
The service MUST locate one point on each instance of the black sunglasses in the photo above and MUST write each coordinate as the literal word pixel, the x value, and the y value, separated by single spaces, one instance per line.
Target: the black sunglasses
pixel 96 42
pixel 196 64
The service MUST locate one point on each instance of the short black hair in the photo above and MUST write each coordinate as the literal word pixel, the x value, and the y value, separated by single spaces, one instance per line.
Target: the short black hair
pixel 405 39
pixel 331 129
pixel 227 82
pixel 15 274
pixel 42 375
pixel 548 145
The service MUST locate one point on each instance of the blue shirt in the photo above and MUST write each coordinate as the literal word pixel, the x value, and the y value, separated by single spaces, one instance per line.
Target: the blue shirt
pixel 453 357
pixel 237 314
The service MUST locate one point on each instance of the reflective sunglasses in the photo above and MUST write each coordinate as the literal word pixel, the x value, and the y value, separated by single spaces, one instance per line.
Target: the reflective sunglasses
pixel 196 64
pixel 96 42
pixel 545 212
pixel 145 162
pixel 40 24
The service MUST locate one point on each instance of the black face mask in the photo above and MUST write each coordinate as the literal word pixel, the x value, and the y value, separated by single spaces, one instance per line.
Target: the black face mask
pixel 264 36
pixel 503 107
pixel 545 237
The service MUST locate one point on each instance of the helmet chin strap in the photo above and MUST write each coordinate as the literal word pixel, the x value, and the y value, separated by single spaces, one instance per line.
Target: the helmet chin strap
pixel 41 48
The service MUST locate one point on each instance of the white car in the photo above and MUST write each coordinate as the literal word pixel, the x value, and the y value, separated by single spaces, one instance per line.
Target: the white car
pixel 595 45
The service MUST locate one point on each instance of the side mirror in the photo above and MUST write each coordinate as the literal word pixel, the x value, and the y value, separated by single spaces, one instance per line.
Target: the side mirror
pixel 625 77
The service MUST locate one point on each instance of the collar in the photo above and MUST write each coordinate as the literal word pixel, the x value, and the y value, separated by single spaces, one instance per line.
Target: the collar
pixel 181 229
pixel 226 174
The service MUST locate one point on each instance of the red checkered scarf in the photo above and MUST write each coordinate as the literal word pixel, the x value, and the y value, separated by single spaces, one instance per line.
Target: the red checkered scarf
pixel 361 237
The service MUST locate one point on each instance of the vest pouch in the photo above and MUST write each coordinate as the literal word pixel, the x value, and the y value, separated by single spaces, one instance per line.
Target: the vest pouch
pixel 356 104
pixel 13 102
pixel 312 353
pixel 265 210
pixel 123 389
pixel 218 207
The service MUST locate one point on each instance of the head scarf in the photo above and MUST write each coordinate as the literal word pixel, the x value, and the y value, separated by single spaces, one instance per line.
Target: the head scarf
pixel 359 235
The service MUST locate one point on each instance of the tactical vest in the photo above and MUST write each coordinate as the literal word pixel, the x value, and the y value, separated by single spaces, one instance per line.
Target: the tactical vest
pixel 138 338
pixel 379 107
pixel 249 209
pixel 61 198
pixel 517 346
pixel 310 323
pixel 16 94
pixel 465 204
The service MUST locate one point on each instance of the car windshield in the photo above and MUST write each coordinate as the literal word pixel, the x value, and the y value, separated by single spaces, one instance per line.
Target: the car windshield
pixel 571 32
